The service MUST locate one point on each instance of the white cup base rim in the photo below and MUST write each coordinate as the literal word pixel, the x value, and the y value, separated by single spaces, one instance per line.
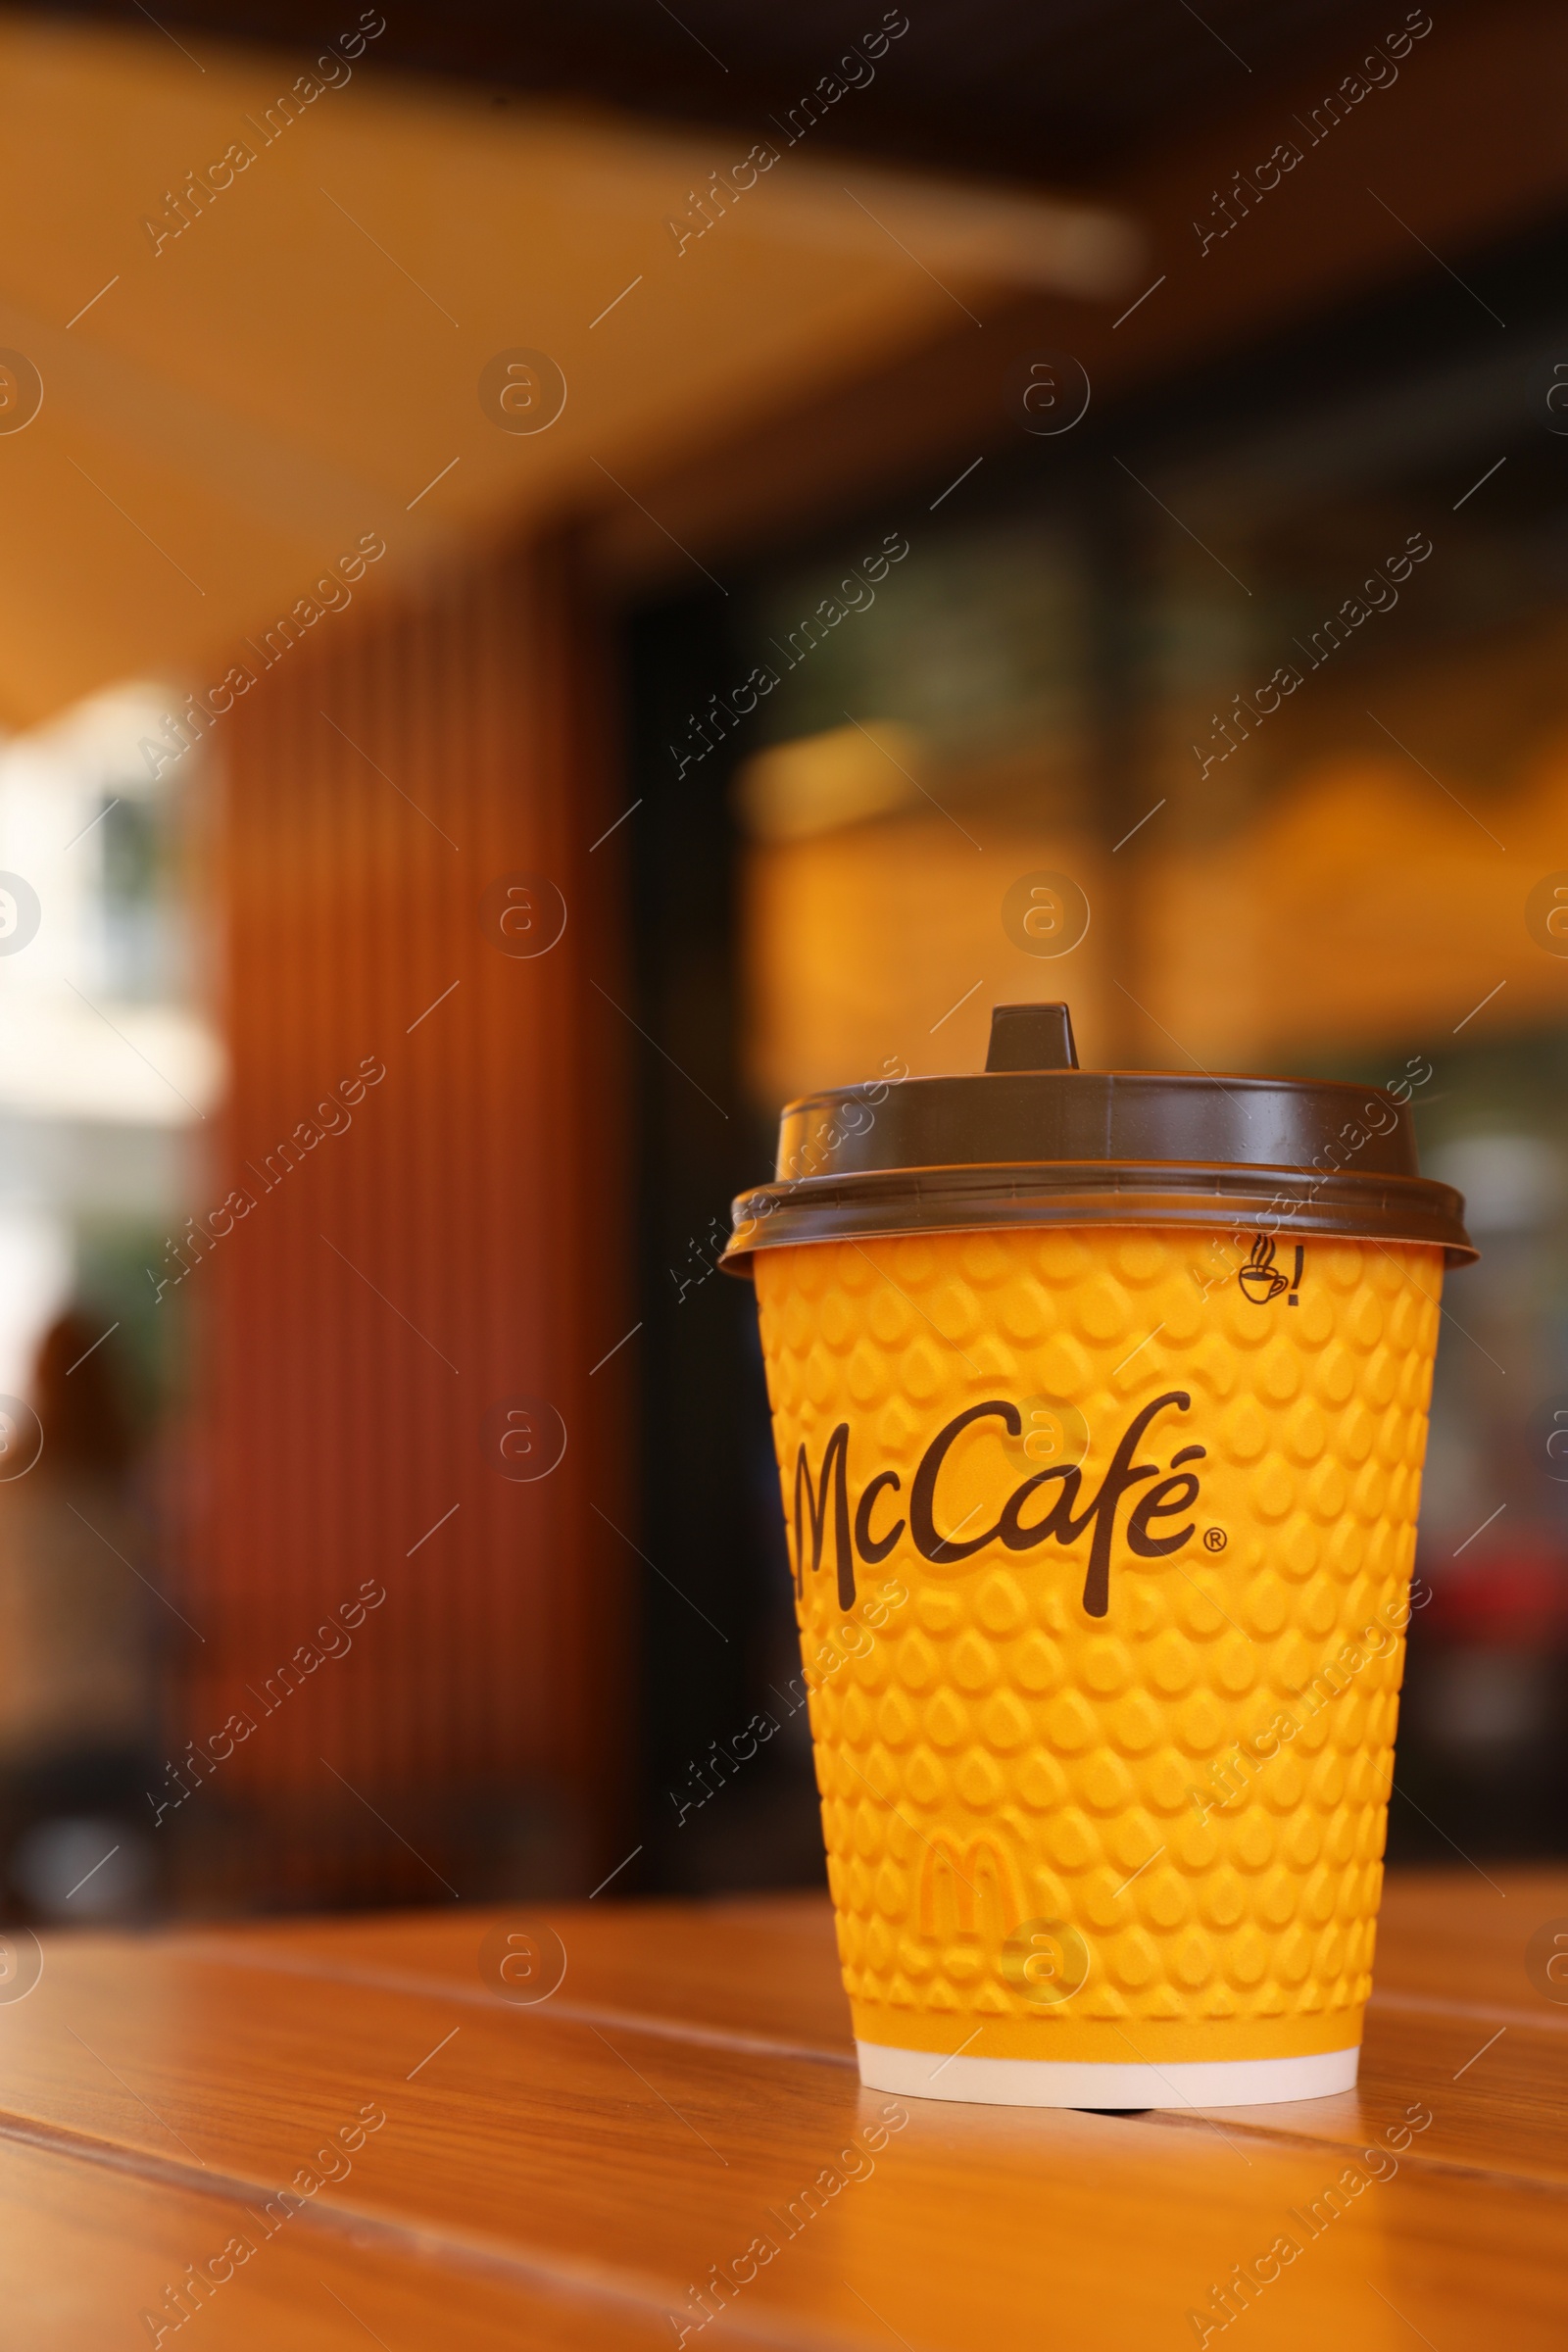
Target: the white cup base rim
pixel 1104 2083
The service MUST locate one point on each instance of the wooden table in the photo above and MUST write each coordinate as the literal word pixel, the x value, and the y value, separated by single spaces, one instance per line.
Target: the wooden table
pixel 680 2128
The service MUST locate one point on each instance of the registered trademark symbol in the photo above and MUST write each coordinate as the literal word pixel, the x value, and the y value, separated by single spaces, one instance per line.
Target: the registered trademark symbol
pixel 1215 1538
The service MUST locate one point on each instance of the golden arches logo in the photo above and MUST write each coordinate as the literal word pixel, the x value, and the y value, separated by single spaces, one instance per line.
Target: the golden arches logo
pixel 968 1890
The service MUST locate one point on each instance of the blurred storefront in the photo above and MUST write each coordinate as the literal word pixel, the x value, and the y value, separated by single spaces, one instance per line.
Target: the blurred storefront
pixel 1254 686
pixel 112 1068
pixel 111 1061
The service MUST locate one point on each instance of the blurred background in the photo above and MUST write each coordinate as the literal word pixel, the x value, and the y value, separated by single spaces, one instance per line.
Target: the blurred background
pixel 560 568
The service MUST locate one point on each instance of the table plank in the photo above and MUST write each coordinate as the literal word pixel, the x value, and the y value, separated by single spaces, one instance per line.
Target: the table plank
pixel 761 1971
pixel 1512 2116
pixel 1457 1940
pixel 1500 2108
pixel 631 2160
pixel 90 2247
pixel 1451 1944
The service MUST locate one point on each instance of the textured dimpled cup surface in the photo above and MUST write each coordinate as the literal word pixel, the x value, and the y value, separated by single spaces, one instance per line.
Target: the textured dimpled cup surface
pixel 1102 1543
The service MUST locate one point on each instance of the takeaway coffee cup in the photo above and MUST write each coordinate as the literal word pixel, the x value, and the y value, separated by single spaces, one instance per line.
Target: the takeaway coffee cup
pixel 1099 1402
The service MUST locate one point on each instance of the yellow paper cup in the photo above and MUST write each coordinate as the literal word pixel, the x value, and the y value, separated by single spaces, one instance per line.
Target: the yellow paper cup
pixel 1101 1537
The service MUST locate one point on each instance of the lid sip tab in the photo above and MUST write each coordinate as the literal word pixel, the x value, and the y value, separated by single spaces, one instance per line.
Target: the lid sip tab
pixel 1036 1140
pixel 1031 1036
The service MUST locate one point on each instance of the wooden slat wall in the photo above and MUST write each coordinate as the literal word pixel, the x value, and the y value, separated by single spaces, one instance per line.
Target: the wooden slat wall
pixel 482 1711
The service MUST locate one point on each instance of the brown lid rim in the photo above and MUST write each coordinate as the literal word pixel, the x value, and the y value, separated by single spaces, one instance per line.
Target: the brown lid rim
pixel 1414 1211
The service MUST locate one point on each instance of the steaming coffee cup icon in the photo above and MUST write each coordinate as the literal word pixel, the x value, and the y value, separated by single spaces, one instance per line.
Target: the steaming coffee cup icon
pixel 1260 1278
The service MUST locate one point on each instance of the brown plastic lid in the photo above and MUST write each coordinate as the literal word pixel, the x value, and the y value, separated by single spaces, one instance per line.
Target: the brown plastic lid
pixel 1033 1140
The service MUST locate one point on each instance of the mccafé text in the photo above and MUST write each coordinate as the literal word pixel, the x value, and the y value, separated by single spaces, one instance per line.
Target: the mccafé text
pixel 856 1536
